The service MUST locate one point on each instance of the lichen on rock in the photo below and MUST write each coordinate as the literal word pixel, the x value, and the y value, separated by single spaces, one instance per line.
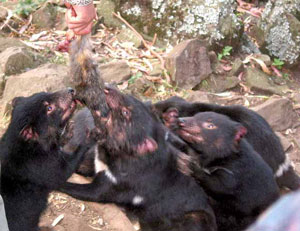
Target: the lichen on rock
pixel 281 26
pixel 176 20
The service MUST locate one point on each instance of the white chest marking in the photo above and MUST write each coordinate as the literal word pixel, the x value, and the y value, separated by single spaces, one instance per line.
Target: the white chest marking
pixel 99 165
pixel 283 167
pixel 137 200
pixel 167 135
pixel 110 176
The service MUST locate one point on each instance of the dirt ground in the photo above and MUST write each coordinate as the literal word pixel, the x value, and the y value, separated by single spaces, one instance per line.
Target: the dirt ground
pixel 65 213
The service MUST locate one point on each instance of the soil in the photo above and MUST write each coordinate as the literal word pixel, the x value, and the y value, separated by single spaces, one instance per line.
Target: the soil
pixel 65 213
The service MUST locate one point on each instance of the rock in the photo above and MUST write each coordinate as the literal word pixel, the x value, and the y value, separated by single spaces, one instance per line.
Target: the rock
pixel 278 112
pixel 14 60
pixel 286 144
pixel 280 27
pixel 10 42
pixel 185 19
pixel 237 67
pixel 3 14
pixel 247 46
pixel 61 23
pixel 2 85
pixel 197 96
pixel 48 77
pixel 105 8
pixel 188 63
pixel 260 81
pixel 45 16
pixel 213 58
pixel 215 83
pixel 127 35
pixel 115 71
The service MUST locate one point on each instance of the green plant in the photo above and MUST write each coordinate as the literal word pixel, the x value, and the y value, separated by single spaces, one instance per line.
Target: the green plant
pixel 26 7
pixel 225 52
pixel 134 77
pixel 286 76
pixel 278 63
pixel 204 83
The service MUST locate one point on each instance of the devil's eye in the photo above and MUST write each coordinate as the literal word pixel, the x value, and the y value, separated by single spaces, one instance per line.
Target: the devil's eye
pixel 209 125
pixel 125 112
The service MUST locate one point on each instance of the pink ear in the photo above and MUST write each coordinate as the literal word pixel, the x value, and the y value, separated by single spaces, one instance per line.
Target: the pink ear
pixel 170 113
pixel 148 145
pixel 241 132
pixel 170 116
pixel 27 133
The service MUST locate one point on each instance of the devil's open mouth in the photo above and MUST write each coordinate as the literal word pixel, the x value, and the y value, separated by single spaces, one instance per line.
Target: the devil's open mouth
pixel 189 137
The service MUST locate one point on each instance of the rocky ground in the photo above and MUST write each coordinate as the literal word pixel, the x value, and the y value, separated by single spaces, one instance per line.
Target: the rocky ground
pixel 240 71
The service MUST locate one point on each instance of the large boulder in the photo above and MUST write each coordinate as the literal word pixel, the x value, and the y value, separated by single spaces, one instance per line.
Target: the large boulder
pixel 182 19
pixel 48 77
pixel 280 30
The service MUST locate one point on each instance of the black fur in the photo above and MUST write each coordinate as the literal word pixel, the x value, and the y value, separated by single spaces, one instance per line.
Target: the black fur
pixel 228 169
pixel 260 135
pixel 144 166
pixel 76 133
pixel 32 161
pixel 81 125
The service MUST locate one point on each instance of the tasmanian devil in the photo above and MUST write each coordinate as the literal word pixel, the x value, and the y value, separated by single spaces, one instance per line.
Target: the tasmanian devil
pixel 228 168
pixel 260 135
pixel 143 174
pixel 32 161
